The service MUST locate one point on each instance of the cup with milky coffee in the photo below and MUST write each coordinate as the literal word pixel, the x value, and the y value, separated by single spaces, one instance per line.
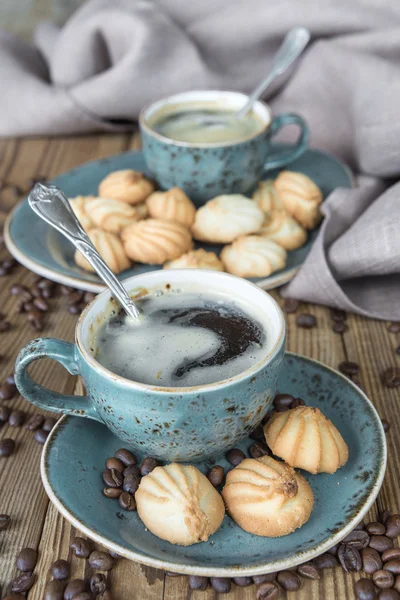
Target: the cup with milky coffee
pixel 196 375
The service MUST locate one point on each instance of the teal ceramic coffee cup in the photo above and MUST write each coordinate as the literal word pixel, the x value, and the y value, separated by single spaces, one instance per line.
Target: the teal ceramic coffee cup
pixel 206 170
pixel 173 424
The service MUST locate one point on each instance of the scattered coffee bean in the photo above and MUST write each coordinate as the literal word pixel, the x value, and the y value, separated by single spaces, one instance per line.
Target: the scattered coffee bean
pixel 383 579
pixel 75 587
pixel 88 297
pixel 258 579
pixel 197 582
pixel 357 538
pixel 297 402
pixel 258 434
pixel 4 414
pixel 393 566
pixel 384 515
pixel 41 436
pixel 242 581
pixel 7 391
pixel 338 315
pixel 130 483
pixel 306 321
pixel 80 547
pixel 98 583
pixel 7 447
pixel 394 328
pixel 132 470
pixel 26 560
pixel 54 590
pixel 349 368
pixel 393 526
pixel 34 422
pixel 23 582
pixel 114 555
pixel 371 561
pixel 380 543
pixel 47 293
pixel 41 304
pixel 289 580
pixel 4 521
pixel 127 501
pixel 115 463
pixel 126 457
pixel 112 478
pixel 74 309
pixel 259 449
pixel 65 290
pixel 10 262
pixel 112 492
pixel 34 315
pixel 17 289
pixel 60 569
pixel 16 418
pixel 339 327
pixel 308 570
pixel 101 560
pixel 391 377
pixel 290 305
pixel 391 554
pixel 148 465
pixel 75 297
pixel 385 425
pixel 267 591
pixel 325 561
pixel 222 585
pixel 365 589
pixel 283 402
pixel 333 550
pixel 49 423
pixel 216 475
pixel 389 595
pixel 83 596
pixel 235 456
pixel 350 558
pixel 360 526
pixel 375 528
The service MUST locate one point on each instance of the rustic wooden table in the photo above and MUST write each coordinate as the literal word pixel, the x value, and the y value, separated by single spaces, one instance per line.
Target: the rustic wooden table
pixel 35 522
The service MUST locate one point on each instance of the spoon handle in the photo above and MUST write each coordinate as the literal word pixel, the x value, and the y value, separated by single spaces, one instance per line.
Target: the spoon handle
pixel 292 46
pixel 51 204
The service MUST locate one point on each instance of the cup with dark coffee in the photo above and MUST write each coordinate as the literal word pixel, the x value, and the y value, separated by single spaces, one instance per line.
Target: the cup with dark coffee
pixel 196 375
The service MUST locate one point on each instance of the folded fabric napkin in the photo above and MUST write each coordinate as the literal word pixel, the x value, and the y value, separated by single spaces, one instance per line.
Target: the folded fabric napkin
pixel 110 59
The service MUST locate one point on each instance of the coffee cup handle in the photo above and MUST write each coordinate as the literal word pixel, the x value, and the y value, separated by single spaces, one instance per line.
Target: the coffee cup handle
pixel 282 157
pixel 64 353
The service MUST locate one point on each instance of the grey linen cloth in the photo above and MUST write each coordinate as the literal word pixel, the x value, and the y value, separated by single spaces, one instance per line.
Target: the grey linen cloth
pixel 111 58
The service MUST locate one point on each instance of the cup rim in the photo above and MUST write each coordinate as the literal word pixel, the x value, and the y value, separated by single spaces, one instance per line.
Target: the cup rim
pixel 162 101
pixel 181 391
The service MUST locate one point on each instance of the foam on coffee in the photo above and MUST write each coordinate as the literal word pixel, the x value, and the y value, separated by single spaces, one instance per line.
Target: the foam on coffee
pixel 185 339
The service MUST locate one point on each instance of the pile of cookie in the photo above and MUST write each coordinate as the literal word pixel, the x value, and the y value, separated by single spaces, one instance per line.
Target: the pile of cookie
pixel 131 222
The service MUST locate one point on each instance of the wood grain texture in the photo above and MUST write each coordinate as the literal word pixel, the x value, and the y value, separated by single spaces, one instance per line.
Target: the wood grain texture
pixel 36 523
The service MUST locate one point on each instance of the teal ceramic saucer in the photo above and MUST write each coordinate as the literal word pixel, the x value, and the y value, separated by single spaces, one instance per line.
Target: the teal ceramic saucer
pixel 46 252
pixel 75 453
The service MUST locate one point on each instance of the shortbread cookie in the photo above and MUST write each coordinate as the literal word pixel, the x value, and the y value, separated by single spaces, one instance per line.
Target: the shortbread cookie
pixel 225 218
pixel 127 186
pixel 109 246
pixel 173 205
pixel 267 197
pixel 178 504
pixel 78 205
pixel 113 215
pixel 154 241
pixel 281 228
pixel 306 439
pixel 301 197
pixel 266 497
pixel 196 259
pixel 253 256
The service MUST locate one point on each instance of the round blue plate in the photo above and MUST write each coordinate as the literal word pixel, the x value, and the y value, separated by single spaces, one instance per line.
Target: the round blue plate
pixel 75 453
pixel 48 253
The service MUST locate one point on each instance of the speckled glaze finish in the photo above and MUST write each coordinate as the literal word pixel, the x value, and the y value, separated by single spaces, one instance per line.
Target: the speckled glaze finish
pixel 76 451
pixel 174 424
pixel 207 170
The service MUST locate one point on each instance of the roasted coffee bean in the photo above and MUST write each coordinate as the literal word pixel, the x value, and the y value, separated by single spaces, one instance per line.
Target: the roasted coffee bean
pixel 365 589
pixel 10 262
pixel 197 582
pixel 148 464
pixel 75 587
pixel 357 538
pixel 297 402
pixel 385 425
pixel 383 579
pixel 34 422
pixel 54 590
pixel 222 585
pixel 7 447
pixel 258 434
pixel 127 501
pixel 339 327
pixel 34 315
pixel 283 402
pixel 380 543
pixel 74 309
pixel 80 547
pixel 384 515
pixel 112 492
pixel 375 528
pixel 88 297
pixel 259 449
pixel 115 463
pixel 41 304
pixel 235 456
pixel 7 391
pixel 114 555
pixel 10 379
pixel 290 305
pixel 393 566
pixel 83 596
pixel 26 560
pixel 74 298
pixel 132 470
pixel 65 290
pixel 98 583
pixel 289 580
pixel 130 483
pixel 126 457
pixel 216 475
pixel 397 584
pixel 325 561
pixel 267 591
pixel 350 558
pixel 37 324
pixel 41 436
pixel 4 522
pixel 258 579
pixel 47 293
pixel 360 526
pixel 308 570
pixel 17 289
pixel 112 478
pixel 242 581
pixel 393 526
pixel 44 283
pixel 101 560
pixel 349 368
pixel 49 423
pixel 4 414
pixel 371 560
pixel 391 554
pixel 306 321
pixel 389 595
pixel 338 315
pixel 60 569
pixel 16 418
pixel 391 377
pixel 23 582
pixel 394 328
